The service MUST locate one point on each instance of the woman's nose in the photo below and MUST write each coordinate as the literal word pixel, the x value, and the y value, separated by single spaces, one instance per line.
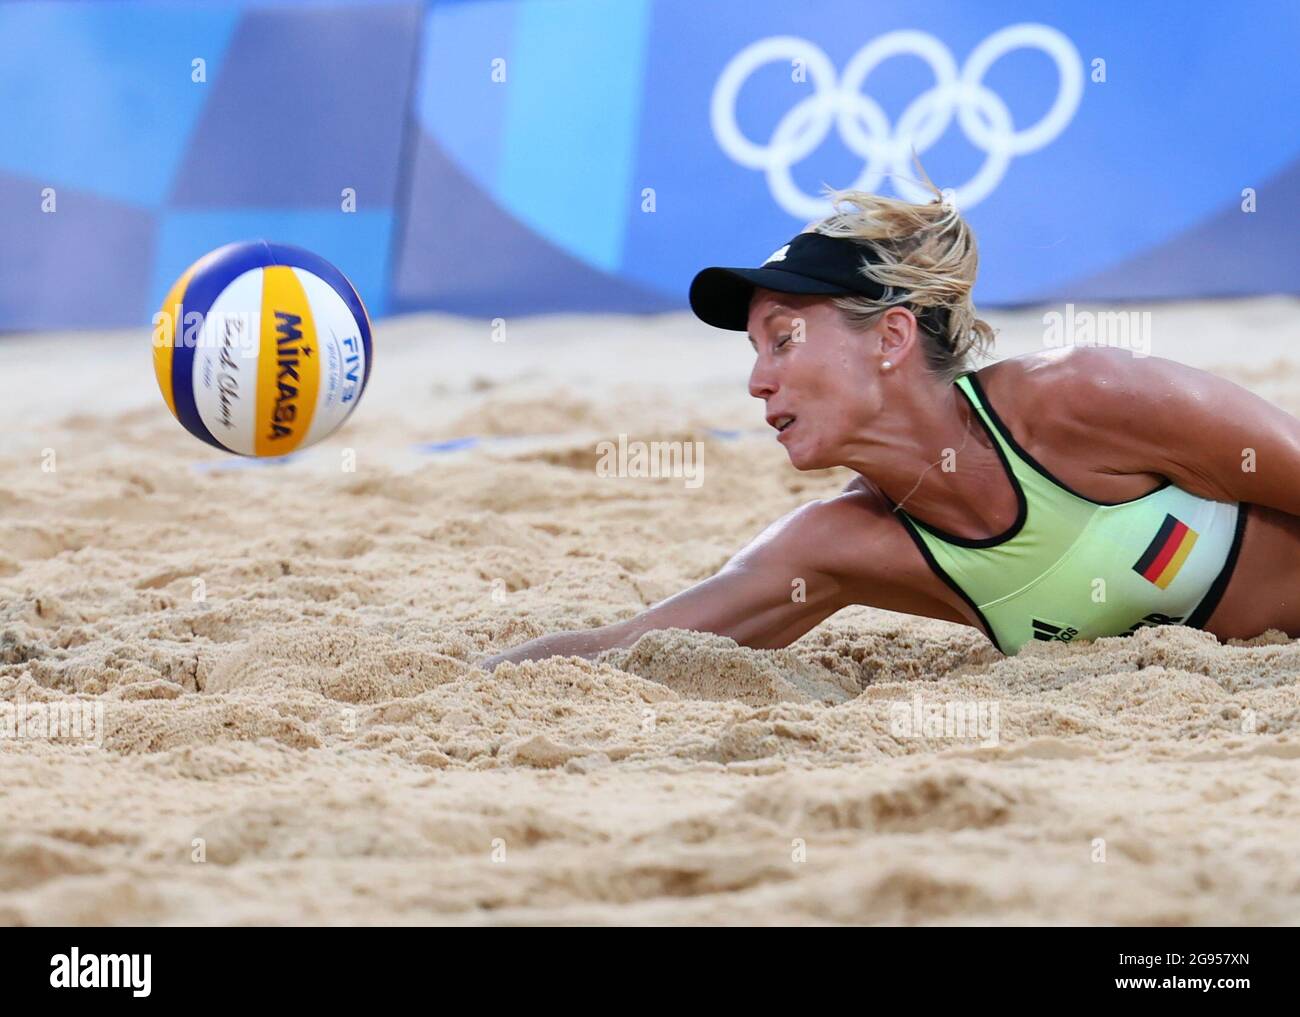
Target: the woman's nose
pixel 762 379
pixel 762 382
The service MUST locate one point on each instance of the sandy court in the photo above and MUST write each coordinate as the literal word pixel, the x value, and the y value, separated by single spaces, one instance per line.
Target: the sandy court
pixel 288 728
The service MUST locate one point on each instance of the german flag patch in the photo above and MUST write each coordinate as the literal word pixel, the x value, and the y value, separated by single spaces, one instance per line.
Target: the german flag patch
pixel 1165 555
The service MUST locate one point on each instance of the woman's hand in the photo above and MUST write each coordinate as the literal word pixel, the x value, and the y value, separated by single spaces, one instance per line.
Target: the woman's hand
pixel 583 643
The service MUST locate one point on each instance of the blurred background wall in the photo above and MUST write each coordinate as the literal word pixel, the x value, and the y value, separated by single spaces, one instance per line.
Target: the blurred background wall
pixel 496 157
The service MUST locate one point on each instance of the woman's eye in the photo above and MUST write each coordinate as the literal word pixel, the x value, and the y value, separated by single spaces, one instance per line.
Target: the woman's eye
pixel 782 340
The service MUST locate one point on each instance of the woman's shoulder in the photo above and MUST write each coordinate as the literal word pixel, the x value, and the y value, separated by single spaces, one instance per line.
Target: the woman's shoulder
pixel 863 507
pixel 1092 370
pixel 849 535
pixel 860 508
pixel 1103 420
pixel 1043 391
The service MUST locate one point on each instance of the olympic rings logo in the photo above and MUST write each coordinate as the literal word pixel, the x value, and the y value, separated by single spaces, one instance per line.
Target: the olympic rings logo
pixel 864 127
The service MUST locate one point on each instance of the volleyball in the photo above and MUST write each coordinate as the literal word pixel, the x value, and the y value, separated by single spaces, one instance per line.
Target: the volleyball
pixel 262 349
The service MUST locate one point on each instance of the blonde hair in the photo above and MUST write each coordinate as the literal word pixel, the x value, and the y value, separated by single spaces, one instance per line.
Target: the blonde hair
pixel 926 258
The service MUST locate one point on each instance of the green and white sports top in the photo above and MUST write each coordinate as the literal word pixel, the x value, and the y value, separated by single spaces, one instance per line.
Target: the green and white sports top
pixel 1073 568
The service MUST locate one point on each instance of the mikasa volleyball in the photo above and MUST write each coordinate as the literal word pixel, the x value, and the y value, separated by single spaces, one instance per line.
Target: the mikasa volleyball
pixel 262 349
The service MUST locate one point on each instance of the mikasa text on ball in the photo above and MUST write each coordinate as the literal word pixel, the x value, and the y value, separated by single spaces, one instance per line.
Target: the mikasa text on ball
pixel 262 349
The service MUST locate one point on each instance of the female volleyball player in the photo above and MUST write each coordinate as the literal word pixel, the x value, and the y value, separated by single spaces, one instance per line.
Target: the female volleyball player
pixel 1064 495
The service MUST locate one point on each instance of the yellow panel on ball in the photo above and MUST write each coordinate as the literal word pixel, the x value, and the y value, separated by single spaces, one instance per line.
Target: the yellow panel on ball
pixel 288 370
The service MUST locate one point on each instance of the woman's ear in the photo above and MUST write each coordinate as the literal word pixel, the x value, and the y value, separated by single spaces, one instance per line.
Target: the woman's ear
pixel 897 329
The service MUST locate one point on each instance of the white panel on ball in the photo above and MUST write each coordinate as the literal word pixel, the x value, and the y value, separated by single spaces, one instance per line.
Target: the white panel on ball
pixel 225 378
pixel 343 364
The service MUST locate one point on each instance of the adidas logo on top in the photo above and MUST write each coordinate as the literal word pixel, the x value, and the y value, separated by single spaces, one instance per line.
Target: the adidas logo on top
pixel 1050 631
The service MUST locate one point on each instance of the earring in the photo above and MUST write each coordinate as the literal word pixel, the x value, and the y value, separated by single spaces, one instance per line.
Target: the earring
pixel 886 366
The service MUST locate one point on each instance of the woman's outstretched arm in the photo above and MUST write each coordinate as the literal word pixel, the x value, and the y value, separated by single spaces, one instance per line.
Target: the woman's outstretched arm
pixel 779 586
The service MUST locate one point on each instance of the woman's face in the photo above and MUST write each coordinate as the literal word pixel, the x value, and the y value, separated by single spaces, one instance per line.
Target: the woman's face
pixel 813 367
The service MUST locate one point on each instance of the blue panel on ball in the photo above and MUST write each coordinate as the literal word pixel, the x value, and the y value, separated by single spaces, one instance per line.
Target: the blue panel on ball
pixel 219 270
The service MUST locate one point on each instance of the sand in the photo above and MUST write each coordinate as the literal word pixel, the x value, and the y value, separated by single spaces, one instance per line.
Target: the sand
pixel 287 726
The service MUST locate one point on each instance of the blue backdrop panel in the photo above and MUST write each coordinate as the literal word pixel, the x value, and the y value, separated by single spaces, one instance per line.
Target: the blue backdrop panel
pixel 151 168
pixel 83 266
pixel 463 253
pixel 308 102
pixel 99 96
pixel 516 156
pixel 1069 181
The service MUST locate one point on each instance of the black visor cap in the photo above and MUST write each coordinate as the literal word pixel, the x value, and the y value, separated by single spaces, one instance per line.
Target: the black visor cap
pixel 810 264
